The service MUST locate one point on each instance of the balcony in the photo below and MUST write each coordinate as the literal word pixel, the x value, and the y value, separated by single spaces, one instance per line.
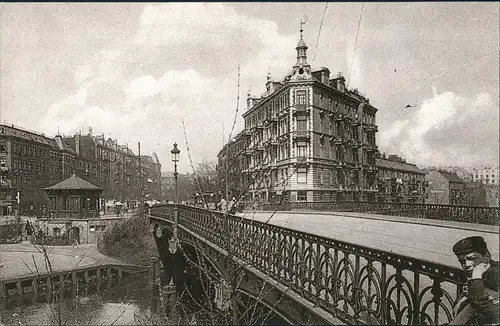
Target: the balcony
pixel 248 132
pixel 301 135
pixel 260 146
pixel 5 184
pixel 371 148
pixel 340 165
pixel 338 141
pixel 301 159
pixel 301 109
pixel 273 142
pixel 355 143
pixel 370 169
pixel 271 120
pixel 356 166
pixel 355 122
pixel 339 117
pixel 283 136
pixel 4 169
pixel 259 126
pixel 371 127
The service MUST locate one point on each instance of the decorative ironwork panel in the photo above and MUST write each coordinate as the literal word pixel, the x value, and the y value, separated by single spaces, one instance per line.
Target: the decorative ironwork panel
pixel 354 283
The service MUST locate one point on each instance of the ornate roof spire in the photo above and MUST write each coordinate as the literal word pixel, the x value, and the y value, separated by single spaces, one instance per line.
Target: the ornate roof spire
pixel 269 74
pixel 301 47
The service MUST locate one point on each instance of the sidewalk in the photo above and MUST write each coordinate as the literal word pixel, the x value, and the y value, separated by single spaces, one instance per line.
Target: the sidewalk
pixel 22 259
pixel 494 229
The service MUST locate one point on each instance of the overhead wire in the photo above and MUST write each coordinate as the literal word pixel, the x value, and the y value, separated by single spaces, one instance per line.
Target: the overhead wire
pixel 439 73
pixel 476 86
pixel 355 43
pixel 319 30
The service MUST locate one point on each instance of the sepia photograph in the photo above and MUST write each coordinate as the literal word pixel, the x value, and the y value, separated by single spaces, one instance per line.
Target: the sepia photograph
pixel 249 163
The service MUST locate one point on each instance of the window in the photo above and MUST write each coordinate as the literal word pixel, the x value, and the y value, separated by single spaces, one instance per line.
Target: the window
pixel 333 177
pixel 302 175
pixel 301 149
pixel 301 97
pixel 302 196
pixel 326 179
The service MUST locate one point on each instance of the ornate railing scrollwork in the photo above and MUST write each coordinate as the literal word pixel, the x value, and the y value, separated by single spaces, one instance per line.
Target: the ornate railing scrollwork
pixel 354 283
pixel 467 214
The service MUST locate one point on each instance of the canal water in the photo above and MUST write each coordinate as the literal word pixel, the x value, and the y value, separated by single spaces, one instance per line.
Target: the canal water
pixel 126 304
pixel 130 303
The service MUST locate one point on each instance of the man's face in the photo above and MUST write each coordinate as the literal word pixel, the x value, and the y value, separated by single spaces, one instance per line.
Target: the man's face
pixel 469 260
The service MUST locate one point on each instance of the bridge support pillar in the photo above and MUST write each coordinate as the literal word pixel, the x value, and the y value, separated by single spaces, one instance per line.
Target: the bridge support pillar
pixel 153 265
pixel 169 296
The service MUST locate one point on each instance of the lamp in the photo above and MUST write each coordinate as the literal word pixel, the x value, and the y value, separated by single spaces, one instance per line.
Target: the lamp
pixel 174 241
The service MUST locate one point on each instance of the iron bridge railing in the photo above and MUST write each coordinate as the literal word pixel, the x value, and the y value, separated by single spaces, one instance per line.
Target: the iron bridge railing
pixel 467 214
pixel 354 283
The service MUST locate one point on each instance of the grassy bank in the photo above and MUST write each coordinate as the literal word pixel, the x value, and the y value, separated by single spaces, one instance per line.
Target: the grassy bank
pixel 130 241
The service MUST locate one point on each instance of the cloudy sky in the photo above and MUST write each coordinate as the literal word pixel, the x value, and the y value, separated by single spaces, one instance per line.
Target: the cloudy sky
pixel 135 71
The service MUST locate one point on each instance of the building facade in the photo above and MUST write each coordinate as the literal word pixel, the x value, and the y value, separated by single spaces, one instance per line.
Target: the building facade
pixel 30 161
pixel 399 181
pixel 310 138
pixel 151 174
pixel 486 175
pixel 232 159
pixel 445 188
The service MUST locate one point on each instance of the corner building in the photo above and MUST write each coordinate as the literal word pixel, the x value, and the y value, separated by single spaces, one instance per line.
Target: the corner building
pixel 310 138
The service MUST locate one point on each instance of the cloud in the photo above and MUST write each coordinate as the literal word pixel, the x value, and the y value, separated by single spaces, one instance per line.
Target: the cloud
pixel 179 63
pixel 447 129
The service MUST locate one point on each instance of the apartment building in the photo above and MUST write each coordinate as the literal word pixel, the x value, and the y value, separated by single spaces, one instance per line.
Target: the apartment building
pixel 399 181
pixel 486 175
pixel 310 138
pixel 31 161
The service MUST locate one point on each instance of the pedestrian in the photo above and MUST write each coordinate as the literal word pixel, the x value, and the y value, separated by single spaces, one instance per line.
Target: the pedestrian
pixel 29 231
pixel 481 304
pixel 223 205
pixel 232 206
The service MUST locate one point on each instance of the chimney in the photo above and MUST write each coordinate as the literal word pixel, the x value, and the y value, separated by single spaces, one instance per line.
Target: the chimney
pixel 77 144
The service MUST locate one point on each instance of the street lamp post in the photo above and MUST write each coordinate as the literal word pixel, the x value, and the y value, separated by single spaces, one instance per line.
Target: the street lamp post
pixel 172 244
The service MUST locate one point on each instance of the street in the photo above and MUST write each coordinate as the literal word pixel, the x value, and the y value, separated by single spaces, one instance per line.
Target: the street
pixel 428 242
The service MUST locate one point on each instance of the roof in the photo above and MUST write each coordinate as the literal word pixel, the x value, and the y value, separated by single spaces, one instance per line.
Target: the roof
pixel 451 177
pixel 18 132
pixel 301 43
pixel 63 145
pixel 74 183
pixel 147 159
pixel 393 165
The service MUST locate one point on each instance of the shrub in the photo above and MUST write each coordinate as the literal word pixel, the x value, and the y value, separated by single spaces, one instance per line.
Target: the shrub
pixel 129 240
pixel 10 233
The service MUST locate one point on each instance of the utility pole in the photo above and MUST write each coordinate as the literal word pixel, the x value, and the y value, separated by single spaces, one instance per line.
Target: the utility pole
pixel 141 209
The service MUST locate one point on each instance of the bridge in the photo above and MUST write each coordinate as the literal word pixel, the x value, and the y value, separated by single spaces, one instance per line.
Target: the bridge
pixel 301 277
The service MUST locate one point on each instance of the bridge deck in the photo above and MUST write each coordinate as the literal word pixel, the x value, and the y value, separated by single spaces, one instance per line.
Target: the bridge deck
pixel 430 240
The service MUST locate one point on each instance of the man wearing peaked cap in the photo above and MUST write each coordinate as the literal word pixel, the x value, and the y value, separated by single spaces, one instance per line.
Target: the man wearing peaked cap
pixel 481 304
pixel 470 244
